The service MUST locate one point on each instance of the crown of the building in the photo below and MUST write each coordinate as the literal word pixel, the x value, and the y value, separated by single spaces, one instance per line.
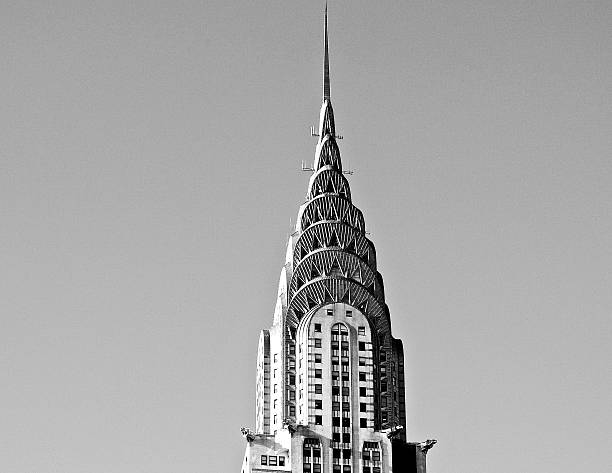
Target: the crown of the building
pixel 332 260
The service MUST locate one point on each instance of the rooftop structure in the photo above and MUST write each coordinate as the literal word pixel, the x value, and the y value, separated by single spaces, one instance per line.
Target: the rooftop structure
pixel 330 374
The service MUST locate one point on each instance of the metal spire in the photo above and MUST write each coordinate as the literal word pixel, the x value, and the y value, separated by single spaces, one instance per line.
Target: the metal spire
pixel 326 95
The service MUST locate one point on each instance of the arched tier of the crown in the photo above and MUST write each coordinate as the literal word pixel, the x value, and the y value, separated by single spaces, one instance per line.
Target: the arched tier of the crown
pixel 327 180
pixel 335 262
pixel 331 208
pixel 326 290
pixel 328 234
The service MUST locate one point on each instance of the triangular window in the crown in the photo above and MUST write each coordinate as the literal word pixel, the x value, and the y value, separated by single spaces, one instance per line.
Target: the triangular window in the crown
pixel 303 252
pixel 371 288
pixel 335 269
pixel 351 248
pixel 330 186
pixel 298 313
pixel 314 272
pixel 315 243
pixel 333 241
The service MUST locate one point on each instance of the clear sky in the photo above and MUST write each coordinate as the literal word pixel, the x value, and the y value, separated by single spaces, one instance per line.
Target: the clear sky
pixel 149 172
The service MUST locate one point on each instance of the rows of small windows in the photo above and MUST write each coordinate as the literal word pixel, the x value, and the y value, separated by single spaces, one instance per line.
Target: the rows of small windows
pixel 272 460
pixel 311 456
pixel 370 457
pixel 341 398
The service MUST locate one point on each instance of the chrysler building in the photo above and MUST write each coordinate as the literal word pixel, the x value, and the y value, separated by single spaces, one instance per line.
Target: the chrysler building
pixel 330 374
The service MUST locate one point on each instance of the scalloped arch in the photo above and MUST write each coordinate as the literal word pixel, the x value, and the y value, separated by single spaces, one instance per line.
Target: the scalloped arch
pixel 323 291
pixel 336 263
pixel 349 239
pixel 330 207
pixel 328 180
pixel 327 154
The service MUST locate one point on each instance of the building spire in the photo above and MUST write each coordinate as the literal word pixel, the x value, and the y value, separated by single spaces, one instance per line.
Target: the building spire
pixel 326 95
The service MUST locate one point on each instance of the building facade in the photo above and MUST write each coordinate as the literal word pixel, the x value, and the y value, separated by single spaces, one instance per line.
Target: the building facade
pixel 330 375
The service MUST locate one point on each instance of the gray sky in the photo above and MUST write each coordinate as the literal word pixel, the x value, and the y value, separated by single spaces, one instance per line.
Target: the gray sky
pixel 149 170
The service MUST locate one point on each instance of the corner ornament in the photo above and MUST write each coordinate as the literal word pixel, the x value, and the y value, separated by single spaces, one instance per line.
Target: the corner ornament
pixel 425 446
pixel 248 434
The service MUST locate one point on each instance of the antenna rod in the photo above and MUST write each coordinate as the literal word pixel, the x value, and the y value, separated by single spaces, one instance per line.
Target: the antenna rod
pixel 326 95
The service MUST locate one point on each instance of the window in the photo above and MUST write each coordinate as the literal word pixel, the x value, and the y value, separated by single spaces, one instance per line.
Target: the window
pixel 318 358
pixel 291 394
pixel 362 376
pixel 291 379
pixel 264 459
pixel 376 469
pixel 330 312
pixel 362 346
pixel 275 418
pixel 317 327
pixel 336 390
pixel 306 467
pixel 319 420
pixel 272 460
pixel 318 388
pixel 361 330
pixel 318 373
pixel 363 423
pixel 365 455
pixel 318 404
pixel 336 437
pixel 346 453
pixel 281 461
pixel 275 401
pixel 362 392
pixel 375 455
pixel 349 313
pixel 336 421
pixel 275 360
pixel 335 453
pixel 362 361
pixel 316 468
pixel 275 386
pixel 346 422
pixel 292 349
pixel 346 438
pixel 363 407
pixel 317 343
pixel 292 411
pixel 274 375
pixel 383 386
pixel 346 469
